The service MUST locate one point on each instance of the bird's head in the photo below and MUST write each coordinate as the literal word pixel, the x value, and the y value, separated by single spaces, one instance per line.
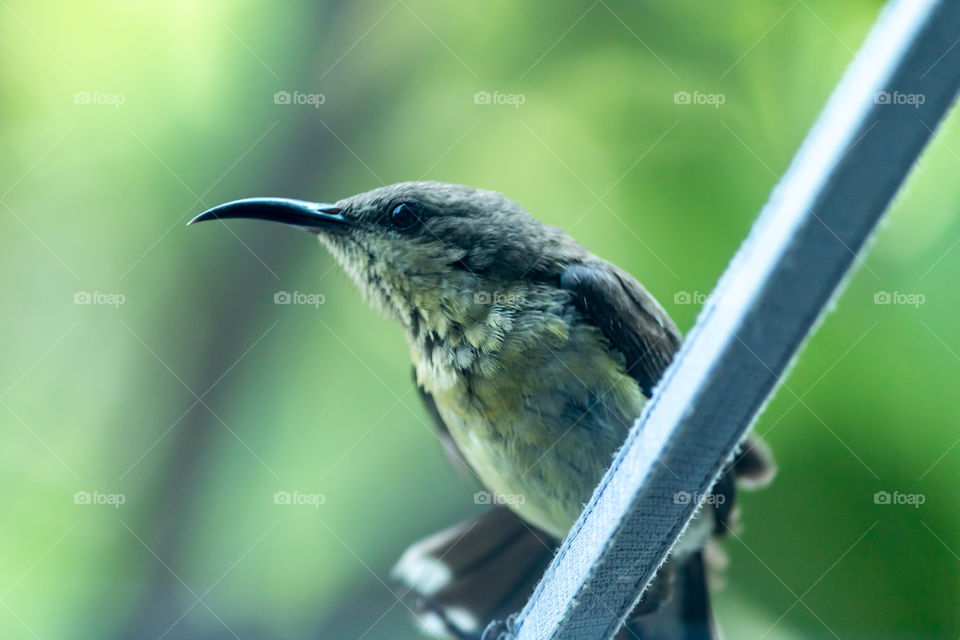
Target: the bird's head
pixel 434 256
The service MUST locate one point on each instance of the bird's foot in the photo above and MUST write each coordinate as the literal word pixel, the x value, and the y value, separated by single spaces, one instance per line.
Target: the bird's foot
pixel 502 629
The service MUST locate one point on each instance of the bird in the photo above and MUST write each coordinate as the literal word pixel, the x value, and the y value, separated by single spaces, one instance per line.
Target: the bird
pixel 533 358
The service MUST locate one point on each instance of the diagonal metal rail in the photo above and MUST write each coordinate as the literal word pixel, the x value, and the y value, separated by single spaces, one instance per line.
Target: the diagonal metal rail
pixel 778 285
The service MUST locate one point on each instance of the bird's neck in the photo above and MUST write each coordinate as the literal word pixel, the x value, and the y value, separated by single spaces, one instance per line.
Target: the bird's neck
pixel 455 338
pixel 458 324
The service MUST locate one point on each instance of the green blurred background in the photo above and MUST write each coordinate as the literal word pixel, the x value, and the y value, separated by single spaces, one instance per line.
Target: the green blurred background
pixel 184 391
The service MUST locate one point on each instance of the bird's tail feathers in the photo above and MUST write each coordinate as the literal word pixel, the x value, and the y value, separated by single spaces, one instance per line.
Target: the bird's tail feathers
pixel 485 569
pixel 684 614
pixel 477 571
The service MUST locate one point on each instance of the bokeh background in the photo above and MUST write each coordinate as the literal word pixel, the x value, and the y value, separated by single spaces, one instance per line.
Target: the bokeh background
pixel 155 398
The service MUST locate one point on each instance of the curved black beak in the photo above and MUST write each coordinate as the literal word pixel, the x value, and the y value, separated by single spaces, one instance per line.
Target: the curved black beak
pixel 309 216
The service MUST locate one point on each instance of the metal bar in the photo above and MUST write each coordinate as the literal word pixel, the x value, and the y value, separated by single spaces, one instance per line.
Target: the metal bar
pixel 875 125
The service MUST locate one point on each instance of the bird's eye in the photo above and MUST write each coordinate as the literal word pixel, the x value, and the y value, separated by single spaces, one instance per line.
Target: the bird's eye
pixel 404 216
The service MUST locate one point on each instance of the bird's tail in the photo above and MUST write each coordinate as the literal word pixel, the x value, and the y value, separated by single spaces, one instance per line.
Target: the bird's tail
pixel 474 572
pixel 485 569
pixel 681 612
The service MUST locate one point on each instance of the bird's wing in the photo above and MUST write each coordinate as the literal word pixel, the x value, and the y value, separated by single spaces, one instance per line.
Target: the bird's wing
pixel 631 319
pixel 638 327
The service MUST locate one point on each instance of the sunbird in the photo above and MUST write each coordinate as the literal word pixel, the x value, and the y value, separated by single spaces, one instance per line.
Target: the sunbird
pixel 533 357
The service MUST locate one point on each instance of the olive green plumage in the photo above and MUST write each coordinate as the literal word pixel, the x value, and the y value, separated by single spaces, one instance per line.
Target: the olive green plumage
pixel 534 357
pixel 532 392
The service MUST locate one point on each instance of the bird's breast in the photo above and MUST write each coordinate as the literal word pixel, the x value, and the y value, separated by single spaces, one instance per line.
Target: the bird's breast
pixel 541 430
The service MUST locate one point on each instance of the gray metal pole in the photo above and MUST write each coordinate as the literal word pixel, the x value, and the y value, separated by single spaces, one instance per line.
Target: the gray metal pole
pixel 871 132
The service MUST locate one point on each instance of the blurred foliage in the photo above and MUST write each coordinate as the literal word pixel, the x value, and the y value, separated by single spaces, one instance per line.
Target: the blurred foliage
pixel 198 398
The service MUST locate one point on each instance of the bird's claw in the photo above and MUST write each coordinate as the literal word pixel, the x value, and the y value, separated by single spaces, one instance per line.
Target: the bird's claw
pixel 502 629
